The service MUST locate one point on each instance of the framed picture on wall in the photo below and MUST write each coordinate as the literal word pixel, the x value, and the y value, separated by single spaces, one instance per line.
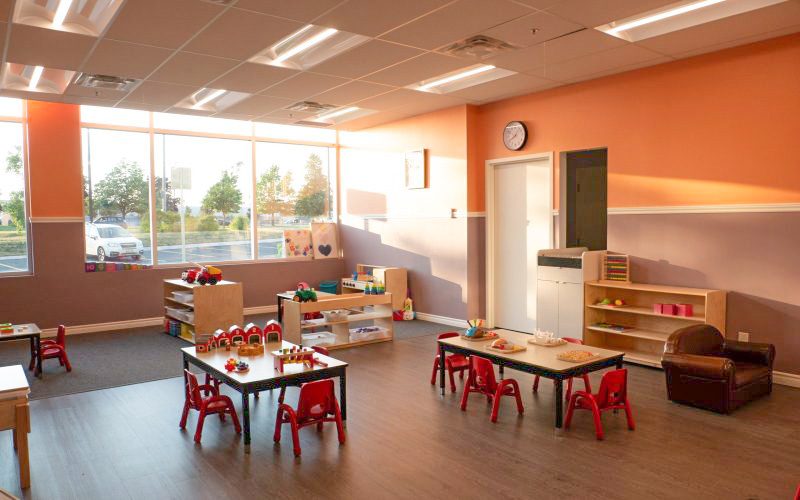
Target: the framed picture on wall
pixel 416 169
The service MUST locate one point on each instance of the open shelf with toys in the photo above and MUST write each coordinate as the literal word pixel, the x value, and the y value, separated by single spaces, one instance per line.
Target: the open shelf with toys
pixel 393 279
pixel 638 318
pixel 193 311
pixel 337 329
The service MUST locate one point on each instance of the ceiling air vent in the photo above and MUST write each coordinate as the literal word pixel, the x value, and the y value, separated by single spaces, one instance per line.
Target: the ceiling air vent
pixel 479 47
pixel 310 107
pixel 106 82
pixel 309 123
pixel 224 3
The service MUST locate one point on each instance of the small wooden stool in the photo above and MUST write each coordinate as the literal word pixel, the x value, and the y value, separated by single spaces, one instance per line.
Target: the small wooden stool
pixel 15 414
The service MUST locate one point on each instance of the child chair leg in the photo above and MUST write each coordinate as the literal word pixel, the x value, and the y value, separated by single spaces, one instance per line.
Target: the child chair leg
pixel 569 389
pixel 536 383
pixel 295 436
pixel 235 418
pixel 629 415
pixel 435 369
pixel 185 415
pixel 339 425
pixel 496 403
pixel 598 424
pixel 282 395
pixel 587 385
pixel 198 433
pixel 452 378
pixel 465 396
pixel 570 410
pixel 518 397
pixel 66 362
pixel 278 421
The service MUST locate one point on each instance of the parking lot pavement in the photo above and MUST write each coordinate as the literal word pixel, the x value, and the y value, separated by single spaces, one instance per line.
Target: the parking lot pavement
pixel 13 264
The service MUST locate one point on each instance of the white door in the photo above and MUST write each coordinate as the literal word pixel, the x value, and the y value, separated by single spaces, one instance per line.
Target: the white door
pixel 522 218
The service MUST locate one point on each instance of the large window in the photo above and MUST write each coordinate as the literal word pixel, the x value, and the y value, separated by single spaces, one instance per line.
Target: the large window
pixel 13 204
pixel 208 178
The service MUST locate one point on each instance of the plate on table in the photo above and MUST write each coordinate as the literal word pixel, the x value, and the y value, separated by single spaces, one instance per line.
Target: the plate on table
pixel 515 349
pixel 577 356
pixel 554 343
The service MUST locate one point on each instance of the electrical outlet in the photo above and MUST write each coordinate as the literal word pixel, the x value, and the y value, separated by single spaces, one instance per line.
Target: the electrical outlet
pixel 744 336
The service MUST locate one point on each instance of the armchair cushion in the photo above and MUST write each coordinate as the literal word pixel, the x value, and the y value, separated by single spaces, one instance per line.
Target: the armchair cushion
pixel 699 366
pixel 747 373
pixel 750 352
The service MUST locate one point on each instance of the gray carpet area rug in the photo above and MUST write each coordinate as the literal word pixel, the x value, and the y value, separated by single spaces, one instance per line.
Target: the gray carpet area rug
pixel 124 357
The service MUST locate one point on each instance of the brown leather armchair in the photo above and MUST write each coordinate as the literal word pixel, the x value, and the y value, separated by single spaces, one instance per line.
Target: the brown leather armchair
pixel 706 370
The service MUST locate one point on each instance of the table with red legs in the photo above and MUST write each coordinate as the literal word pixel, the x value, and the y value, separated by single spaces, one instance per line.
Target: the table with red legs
pixel 263 375
pixel 536 360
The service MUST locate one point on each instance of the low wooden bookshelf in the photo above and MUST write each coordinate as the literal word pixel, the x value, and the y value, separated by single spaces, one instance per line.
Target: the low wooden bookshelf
pixel 645 331
pixel 376 309
pixel 214 306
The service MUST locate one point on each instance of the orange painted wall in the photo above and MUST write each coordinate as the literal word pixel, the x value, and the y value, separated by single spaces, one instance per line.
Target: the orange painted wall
pixel 721 128
pixel 54 159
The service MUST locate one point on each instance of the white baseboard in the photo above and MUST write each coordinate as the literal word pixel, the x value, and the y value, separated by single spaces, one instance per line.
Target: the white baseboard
pixel 443 320
pixel 138 323
pixel 783 378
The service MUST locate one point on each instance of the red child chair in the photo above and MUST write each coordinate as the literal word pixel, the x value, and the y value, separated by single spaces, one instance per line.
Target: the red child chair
pixel 317 349
pixel 317 404
pixel 453 363
pixel 586 384
pixel 613 395
pixel 214 404
pixel 54 349
pixel 481 379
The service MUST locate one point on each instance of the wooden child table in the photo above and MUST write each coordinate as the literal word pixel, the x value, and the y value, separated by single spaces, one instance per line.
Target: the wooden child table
pixel 263 375
pixel 536 360
pixel 34 334
pixel 15 414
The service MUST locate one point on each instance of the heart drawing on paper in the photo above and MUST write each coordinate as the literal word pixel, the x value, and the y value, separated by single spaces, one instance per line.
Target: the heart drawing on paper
pixel 325 250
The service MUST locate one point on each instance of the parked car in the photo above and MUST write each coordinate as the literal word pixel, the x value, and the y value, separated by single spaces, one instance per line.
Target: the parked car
pixel 112 219
pixel 110 241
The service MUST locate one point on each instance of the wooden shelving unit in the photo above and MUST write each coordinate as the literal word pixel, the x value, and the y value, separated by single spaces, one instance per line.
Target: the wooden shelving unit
pixel 214 306
pixel 374 308
pixel 395 280
pixel 647 331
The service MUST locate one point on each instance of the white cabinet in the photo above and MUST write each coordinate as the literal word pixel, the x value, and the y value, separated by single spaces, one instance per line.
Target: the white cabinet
pixel 559 290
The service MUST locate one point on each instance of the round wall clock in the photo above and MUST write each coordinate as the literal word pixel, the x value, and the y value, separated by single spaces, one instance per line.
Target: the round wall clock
pixel 515 134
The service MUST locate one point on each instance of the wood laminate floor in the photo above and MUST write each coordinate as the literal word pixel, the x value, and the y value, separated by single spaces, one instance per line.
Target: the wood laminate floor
pixel 405 441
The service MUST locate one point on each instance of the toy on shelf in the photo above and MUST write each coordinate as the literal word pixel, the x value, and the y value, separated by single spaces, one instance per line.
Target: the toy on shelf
pixel 253 334
pixel 686 310
pixel 617 267
pixel 202 275
pixel 305 295
pixel 273 331
pixel 6 328
pixel 408 309
pixel 612 302
pixel 293 355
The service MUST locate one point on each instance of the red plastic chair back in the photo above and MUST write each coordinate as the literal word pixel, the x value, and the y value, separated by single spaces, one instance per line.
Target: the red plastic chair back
pixel 317 400
pixel 573 340
pixel 613 389
pixel 61 336
pixel 484 374
pixel 321 350
pixel 445 335
pixel 192 389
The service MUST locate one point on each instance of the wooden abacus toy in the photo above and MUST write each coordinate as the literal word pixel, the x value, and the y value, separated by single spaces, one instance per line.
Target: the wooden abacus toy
pixel 294 355
pixel 253 334
pixel 273 331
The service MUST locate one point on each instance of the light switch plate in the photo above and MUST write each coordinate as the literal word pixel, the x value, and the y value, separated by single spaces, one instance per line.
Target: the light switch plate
pixel 744 336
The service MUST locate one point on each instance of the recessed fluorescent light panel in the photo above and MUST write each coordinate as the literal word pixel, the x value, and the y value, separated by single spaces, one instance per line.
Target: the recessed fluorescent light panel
pixel 308 47
pixel 679 16
pixel 209 101
pixel 37 79
pixel 75 16
pixel 461 79
pixel 341 115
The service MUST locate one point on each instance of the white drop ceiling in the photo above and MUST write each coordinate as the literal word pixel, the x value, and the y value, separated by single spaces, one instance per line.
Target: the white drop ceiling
pixel 181 46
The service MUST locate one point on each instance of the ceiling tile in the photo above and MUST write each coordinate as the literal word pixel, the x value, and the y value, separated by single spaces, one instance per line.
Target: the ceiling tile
pixel 406 98
pixel 111 57
pixel 518 31
pixel 739 41
pixel 626 55
pixel 168 24
pixel 304 85
pixel 504 87
pixel 192 69
pixel 5 10
pixel 374 120
pixel 87 100
pixel 351 92
pixel 592 13
pixel 527 59
pixel 373 17
pixel 620 69
pixel 304 10
pixel 539 4
pixel 142 106
pixel 258 105
pixel 235 116
pixel 456 21
pixel 251 78
pixel 579 44
pixel 366 58
pixel 775 17
pixel 425 66
pixel 241 34
pixel 292 116
pixel 158 93
pixel 104 94
pixel 48 48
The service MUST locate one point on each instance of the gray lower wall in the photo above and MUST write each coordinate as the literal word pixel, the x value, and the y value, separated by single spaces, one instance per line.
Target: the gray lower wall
pixel 751 255
pixel 60 291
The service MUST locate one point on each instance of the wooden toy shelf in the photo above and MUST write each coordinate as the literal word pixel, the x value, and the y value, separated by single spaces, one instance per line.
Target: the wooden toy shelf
pixel 214 306
pixel 374 308
pixel 395 280
pixel 646 331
